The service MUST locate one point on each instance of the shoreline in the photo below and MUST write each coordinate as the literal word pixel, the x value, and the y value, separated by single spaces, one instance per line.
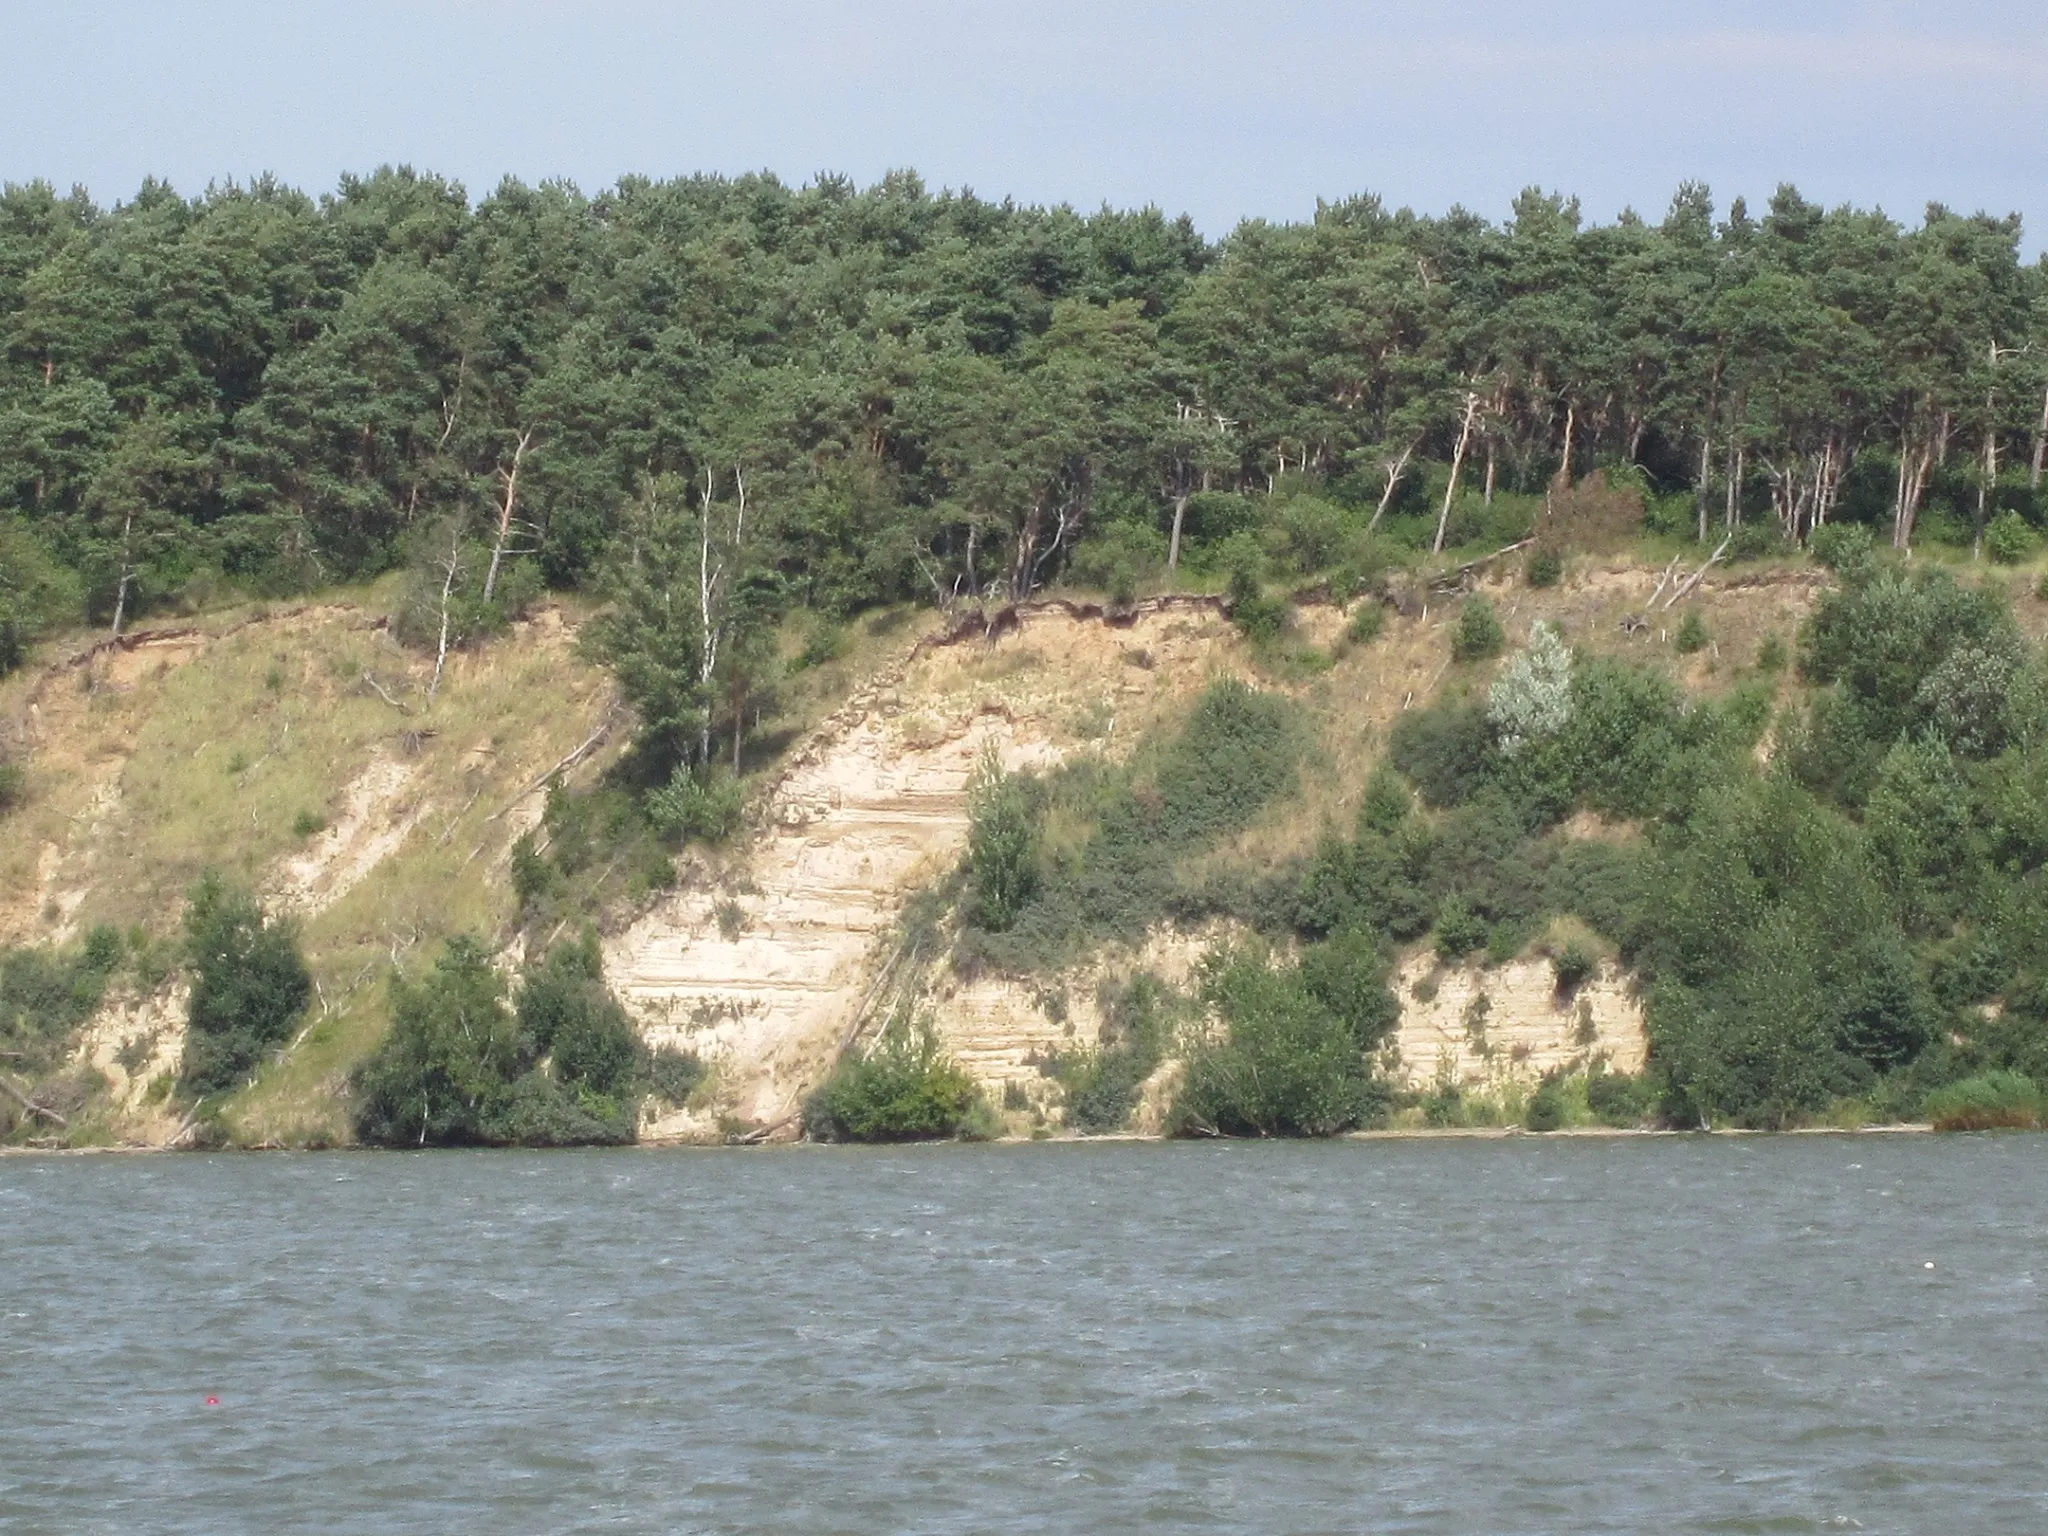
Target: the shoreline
pixel 1418 1133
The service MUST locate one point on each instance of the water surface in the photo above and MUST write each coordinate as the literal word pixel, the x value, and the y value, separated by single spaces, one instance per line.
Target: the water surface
pixel 1459 1337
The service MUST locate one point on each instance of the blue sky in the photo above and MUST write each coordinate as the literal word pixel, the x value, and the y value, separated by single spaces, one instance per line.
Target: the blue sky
pixel 1219 110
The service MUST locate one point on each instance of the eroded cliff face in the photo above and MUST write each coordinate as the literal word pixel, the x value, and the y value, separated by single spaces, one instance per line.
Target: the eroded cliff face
pixel 769 963
pixel 210 743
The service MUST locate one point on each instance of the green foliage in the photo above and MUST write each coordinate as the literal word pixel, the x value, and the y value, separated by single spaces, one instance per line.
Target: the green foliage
pixel 1002 847
pixel 1459 930
pixel 1991 1102
pixel 697 805
pixel 13 786
pixel 1616 1098
pixel 1446 749
pixel 1771 655
pixel 1546 1108
pixel 1847 548
pixel 1368 618
pixel 1692 636
pixel 460 1067
pixel 45 995
pixel 1102 1084
pixel 1531 701
pixel 905 1088
pixel 1544 568
pixel 1573 966
pixel 1477 635
pixel 1287 1065
pixel 1259 617
pixel 308 824
pixel 673 1075
pixel 249 986
pixel 1128 832
pixel 2009 540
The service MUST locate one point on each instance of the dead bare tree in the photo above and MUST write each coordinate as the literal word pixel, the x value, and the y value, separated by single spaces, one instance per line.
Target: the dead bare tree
pixel 451 569
pixel 714 579
pixel 1393 469
pixel 508 478
pixel 1443 518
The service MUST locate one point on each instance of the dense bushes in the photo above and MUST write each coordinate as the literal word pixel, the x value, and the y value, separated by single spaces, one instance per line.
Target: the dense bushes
pixel 1002 847
pixel 904 1088
pixel 46 994
pixel 1286 1063
pixel 1101 1084
pixel 249 986
pixel 460 1067
pixel 1096 851
pixel 1830 925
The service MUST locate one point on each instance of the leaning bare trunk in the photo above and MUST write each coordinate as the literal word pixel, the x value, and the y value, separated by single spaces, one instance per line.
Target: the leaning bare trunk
pixel 1571 419
pixel 1443 518
pixel 1394 469
pixel 127 573
pixel 1180 512
pixel 511 479
pixel 447 587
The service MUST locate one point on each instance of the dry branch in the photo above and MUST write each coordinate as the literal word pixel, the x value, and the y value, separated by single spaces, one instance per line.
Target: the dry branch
pixel 1680 592
pixel 33 1107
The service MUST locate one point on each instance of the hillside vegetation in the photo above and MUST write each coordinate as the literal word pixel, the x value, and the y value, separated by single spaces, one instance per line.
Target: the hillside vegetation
pixel 1624 629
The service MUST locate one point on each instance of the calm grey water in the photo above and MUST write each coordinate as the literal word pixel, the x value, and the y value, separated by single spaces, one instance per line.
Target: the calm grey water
pixel 1459 1337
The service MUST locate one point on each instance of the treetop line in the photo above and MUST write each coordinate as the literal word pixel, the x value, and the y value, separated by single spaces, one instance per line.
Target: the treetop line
pixel 916 394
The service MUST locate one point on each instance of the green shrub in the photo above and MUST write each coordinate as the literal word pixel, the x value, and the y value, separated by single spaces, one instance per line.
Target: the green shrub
pixel 1446 749
pixel 532 875
pixel 1459 929
pixel 1771 655
pixel 249 985
pixel 2008 540
pixel 1995 1101
pixel 1477 635
pixel 1367 620
pixel 308 823
pixel 1573 966
pixel 1756 541
pixel 1130 831
pixel 1261 618
pixel 825 642
pixel 1545 1110
pixel 1102 1084
pixel 568 1015
pixel 672 1075
pixel 1287 1065
pixel 1002 847
pixel 13 786
pixel 461 1068
pixel 1843 546
pixel 1545 568
pixel 45 995
pixel 697 806
pixel 905 1088
pixel 1616 1098
pixel 1692 636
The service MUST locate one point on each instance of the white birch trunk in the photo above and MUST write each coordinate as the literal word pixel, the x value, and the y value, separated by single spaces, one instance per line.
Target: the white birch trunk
pixel 1443 518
